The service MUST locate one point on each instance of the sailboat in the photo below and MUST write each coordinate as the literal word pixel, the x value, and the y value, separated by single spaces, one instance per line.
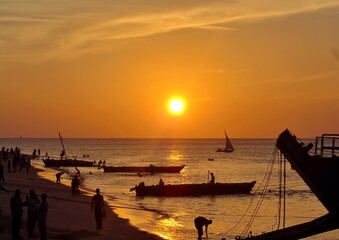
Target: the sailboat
pixel 228 145
pixel 66 162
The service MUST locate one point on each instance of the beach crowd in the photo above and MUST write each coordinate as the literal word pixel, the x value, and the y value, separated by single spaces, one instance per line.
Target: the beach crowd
pixel 51 210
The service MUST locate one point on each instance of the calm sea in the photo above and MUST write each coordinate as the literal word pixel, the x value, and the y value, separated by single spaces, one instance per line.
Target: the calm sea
pixel 173 218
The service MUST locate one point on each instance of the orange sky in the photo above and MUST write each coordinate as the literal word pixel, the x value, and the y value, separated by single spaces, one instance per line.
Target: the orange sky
pixel 108 68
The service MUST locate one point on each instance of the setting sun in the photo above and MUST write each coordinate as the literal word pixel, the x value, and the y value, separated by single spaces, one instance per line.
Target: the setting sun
pixel 176 106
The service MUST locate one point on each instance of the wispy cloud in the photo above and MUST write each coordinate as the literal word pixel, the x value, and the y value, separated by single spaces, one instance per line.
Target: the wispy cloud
pixel 295 78
pixel 64 28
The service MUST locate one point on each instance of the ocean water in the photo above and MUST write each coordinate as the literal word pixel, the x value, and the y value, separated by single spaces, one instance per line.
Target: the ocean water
pixel 172 218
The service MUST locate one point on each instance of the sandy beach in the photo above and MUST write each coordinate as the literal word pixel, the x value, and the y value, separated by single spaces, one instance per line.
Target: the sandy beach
pixel 69 217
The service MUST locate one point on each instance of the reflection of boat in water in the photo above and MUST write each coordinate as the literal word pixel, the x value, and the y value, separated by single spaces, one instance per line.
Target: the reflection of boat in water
pixel 228 145
pixel 146 169
pixel 182 190
pixel 320 171
pixel 67 162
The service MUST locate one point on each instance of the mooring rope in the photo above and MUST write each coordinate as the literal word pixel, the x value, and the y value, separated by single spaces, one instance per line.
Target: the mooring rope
pixel 264 182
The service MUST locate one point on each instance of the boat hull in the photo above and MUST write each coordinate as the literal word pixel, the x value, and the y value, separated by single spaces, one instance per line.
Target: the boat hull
pixel 225 150
pixel 67 163
pixel 183 190
pixel 321 174
pixel 149 169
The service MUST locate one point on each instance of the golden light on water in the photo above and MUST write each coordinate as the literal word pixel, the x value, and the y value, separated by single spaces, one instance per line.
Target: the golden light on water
pixel 174 155
pixel 170 222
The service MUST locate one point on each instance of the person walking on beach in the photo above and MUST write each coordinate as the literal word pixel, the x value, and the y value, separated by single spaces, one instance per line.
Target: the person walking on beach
pixel 16 209
pixel 199 223
pixel 42 217
pixel 99 208
pixel 32 202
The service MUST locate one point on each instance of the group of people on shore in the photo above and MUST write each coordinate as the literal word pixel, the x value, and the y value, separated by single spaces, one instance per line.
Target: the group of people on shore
pixel 36 213
pixel 15 160
pixel 37 208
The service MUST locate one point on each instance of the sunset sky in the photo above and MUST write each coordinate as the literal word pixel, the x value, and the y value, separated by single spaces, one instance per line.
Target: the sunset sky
pixel 108 68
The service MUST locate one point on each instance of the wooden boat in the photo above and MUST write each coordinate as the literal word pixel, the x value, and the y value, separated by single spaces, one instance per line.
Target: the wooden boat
pixel 49 162
pixel 183 190
pixel 148 169
pixel 64 161
pixel 320 171
pixel 228 145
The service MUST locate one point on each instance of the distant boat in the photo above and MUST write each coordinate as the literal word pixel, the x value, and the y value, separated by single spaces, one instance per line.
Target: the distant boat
pixel 67 162
pixel 228 145
pixel 141 169
pixel 185 190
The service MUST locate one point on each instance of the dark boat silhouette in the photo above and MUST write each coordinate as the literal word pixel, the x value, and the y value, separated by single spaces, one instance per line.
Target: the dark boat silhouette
pixel 64 161
pixel 228 145
pixel 320 171
pixel 144 169
pixel 68 163
pixel 183 190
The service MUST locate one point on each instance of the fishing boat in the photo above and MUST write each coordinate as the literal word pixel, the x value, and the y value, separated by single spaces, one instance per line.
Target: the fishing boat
pixel 320 171
pixel 64 161
pixel 185 190
pixel 144 169
pixel 51 162
pixel 228 145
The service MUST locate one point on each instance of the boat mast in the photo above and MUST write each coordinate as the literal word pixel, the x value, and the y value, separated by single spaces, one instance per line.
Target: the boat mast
pixel 62 144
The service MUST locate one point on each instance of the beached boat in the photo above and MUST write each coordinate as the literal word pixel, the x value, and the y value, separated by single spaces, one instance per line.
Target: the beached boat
pixel 49 162
pixel 228 145
pixel 320 171
pixel 64 161
pixel 183 190
pixel 146 169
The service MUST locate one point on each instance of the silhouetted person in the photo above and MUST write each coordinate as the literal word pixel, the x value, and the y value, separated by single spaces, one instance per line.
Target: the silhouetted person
pixel 28 164
pixel 42 217
pixel 58 176
pixel 99 208
pixel 9 165
pixel 161 183
pixel 32 202
pixel 16 209
pixel 75 186
pixel 212 178
pixel 2 178
pixel 199 223
pixel 62 154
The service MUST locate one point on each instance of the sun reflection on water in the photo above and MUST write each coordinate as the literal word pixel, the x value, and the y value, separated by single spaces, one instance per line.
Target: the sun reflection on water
pixel 175 156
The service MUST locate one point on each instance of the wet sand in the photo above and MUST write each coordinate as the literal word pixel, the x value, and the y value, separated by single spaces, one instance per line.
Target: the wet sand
pixel 69 217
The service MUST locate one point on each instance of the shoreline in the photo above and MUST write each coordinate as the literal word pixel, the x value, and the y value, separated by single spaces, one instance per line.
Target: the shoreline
pixel 68 217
